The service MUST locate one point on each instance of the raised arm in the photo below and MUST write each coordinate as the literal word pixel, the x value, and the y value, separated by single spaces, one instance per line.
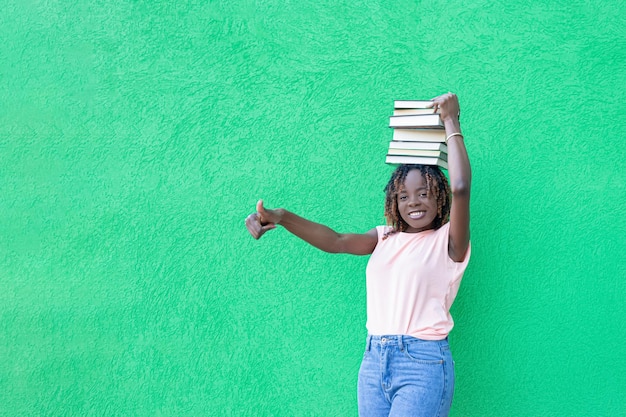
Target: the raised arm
pixel 318 235
pixel 460 175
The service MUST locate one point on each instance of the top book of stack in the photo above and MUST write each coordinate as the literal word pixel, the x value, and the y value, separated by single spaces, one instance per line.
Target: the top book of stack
pixel 412 104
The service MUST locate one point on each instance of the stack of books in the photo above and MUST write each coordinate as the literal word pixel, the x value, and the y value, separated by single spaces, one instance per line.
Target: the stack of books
pixel 419 136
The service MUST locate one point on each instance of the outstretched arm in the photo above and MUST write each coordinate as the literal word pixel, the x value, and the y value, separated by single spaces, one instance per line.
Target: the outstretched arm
pixel 318 235
pixel 460 175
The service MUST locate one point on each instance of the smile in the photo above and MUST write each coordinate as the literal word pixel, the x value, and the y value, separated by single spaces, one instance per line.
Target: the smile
pixel 417 214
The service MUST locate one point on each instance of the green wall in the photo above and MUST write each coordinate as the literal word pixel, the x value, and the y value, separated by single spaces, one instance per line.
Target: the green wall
pixel 135 137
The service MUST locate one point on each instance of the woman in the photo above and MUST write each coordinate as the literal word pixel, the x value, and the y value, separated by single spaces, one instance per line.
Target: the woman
pixel 413 275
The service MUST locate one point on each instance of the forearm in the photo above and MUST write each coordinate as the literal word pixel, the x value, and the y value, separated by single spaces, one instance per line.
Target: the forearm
pixel 316 234
pixel 459 169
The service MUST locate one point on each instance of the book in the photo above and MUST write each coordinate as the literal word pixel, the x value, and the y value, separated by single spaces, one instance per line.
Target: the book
pixel 432 146
pixel 408 112
pixel 419 160
pixel 418 152
pixel 419 135
pixel 416 121
pixel 412 104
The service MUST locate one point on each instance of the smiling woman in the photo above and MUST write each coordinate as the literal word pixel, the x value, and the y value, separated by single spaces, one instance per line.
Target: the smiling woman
pixel 415 191
pixel 412 277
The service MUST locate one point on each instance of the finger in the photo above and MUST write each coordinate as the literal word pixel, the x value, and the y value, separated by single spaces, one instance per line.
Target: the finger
pixel 443 96
pixel 267 227
pixel 253 231
pixel 253 226
pixel 259 206
pixel 257 231
pixel 253 219
pixel 261 212
pixel 438 98
pixel 433 105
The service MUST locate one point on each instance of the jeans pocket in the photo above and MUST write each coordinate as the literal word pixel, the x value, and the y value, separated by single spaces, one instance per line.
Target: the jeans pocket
pixel 423 353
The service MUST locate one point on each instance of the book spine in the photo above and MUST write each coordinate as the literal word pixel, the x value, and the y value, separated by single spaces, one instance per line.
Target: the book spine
pixel 434 146
pixel 429 121
pixel 418 160
pixel 412 104
pixel 419 135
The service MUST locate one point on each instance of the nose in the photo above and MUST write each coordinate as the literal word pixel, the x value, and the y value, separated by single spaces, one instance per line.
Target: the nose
pixel 414 201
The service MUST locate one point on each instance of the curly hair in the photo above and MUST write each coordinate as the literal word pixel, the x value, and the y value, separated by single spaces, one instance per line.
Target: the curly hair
pixel 436 183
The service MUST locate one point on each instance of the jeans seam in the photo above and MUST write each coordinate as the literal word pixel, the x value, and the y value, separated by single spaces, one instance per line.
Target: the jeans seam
pixel 445 383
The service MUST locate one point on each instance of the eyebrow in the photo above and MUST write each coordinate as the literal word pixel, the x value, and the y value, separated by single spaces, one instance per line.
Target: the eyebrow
pixel 403 190
pixel 418 188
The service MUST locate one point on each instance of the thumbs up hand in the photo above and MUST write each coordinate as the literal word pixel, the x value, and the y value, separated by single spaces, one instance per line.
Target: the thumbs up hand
pixel 262 221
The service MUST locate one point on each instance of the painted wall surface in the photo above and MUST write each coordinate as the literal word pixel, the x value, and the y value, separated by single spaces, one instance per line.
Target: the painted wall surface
pixel 136 136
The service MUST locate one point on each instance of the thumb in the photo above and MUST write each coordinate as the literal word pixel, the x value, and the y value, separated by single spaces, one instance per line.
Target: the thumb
pixel 263 214
pixel 259 207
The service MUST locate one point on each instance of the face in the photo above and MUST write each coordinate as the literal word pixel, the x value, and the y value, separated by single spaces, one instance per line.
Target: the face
pixel 418 207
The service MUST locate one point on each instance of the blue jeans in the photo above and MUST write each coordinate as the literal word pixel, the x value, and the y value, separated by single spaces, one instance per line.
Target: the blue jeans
pixel 402 376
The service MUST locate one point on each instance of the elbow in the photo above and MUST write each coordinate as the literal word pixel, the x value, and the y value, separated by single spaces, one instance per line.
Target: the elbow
pixel 336 247
pixel 329 248
pixel 460 188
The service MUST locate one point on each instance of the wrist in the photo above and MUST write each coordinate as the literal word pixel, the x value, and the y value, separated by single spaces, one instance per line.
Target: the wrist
pixel 452 125
pixel 454 135
pixel 280 213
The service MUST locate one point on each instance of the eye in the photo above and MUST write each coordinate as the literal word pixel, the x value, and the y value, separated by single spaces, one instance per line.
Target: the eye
pixel 423 195
pixel 402 197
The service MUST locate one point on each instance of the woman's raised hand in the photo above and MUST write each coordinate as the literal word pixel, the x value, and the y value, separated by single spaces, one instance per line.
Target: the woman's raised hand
pixel 263 220
pixel 447 105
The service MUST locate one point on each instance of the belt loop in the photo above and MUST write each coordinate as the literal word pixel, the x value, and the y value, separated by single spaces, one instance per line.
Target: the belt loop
pixel 368 343
pixel 401 343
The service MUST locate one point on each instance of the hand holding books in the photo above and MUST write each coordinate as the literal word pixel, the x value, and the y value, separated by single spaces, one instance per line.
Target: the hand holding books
pixel 447 105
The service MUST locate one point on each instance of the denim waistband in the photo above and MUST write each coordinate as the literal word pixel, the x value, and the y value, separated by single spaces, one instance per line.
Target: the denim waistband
pixel 400 340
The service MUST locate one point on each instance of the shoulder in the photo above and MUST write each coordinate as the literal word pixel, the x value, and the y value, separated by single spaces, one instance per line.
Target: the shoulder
pixel 384 232
pixel 383 229
pixel 444 237
pixel 444 229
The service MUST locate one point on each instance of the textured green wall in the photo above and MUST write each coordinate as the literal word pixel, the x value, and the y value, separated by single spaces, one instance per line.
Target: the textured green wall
pixel 135 136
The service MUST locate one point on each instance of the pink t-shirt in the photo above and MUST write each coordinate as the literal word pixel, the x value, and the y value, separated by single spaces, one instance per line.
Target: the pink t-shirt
pixel 412 283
